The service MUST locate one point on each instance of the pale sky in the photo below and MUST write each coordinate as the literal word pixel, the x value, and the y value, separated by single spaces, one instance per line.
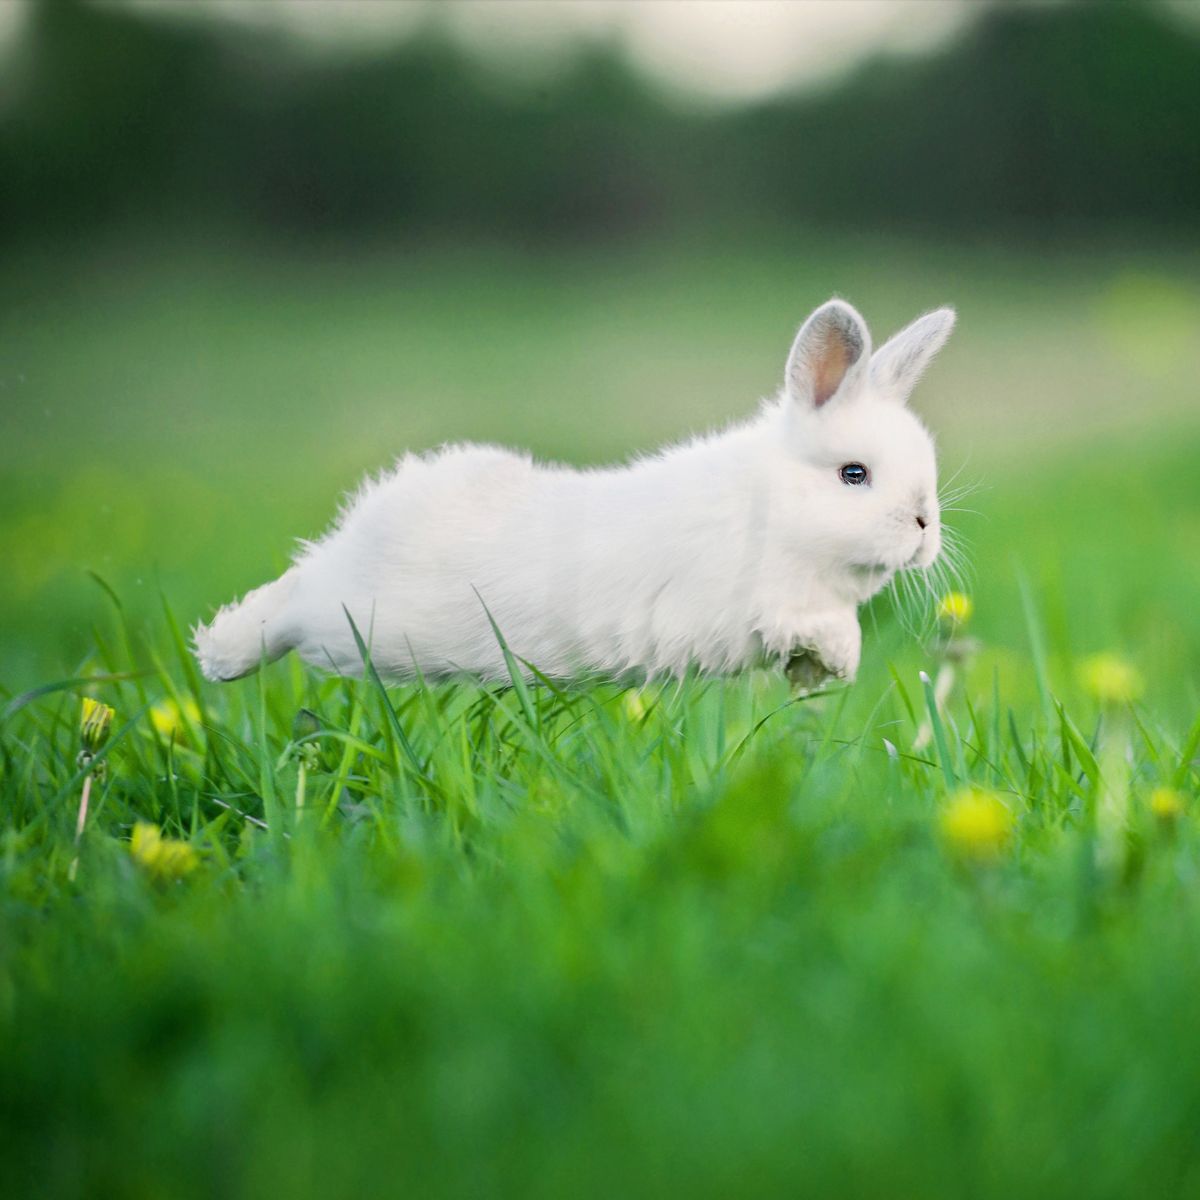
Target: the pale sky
pixel 723 48
pixel 734 49
pixel 738 48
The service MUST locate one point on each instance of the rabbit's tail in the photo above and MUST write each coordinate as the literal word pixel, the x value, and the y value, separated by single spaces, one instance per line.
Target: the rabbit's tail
pixel 246 634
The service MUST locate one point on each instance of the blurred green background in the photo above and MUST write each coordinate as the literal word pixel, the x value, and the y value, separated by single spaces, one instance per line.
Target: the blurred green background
pixel 247 257
pixel 697 937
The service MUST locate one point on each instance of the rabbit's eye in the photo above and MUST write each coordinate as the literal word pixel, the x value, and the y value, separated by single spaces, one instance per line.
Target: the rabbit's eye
pixel 854 474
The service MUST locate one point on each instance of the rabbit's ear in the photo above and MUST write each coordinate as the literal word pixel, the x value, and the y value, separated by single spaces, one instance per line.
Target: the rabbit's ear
pixel 829 356
pixel 899 363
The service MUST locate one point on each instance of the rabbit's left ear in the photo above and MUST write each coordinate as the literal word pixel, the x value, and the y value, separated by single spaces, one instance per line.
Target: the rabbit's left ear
pixel 899 363
pixel 829 356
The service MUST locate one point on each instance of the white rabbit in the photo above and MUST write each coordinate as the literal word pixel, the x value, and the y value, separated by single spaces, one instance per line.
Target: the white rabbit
pixel 749 545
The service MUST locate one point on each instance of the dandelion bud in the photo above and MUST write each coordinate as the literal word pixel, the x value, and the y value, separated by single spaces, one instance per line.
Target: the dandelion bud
pixel 172 718
pixel 1166 804
pixel 955 608
pixel 976 824
pixel 94 724
pixel 1111 679
pixel 163 859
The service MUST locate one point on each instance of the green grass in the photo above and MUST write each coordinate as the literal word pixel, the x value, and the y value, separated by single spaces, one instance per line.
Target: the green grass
pixel 705 938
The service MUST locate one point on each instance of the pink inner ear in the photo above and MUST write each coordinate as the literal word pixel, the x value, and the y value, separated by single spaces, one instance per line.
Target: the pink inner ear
pixel 832 362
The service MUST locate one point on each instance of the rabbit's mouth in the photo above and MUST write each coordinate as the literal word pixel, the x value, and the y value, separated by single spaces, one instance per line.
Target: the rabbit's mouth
pixel 927 552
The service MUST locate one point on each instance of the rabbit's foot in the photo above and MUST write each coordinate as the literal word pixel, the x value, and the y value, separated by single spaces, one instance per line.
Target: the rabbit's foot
pixel 828 647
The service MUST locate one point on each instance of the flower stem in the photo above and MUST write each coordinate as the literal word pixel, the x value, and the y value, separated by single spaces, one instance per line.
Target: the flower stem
pixel 79 823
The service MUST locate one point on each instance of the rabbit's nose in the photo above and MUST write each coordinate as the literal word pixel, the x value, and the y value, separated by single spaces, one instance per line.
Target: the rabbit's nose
pixel 921 521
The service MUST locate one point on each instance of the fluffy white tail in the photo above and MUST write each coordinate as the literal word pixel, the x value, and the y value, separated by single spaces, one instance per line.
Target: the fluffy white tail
pixel 245 634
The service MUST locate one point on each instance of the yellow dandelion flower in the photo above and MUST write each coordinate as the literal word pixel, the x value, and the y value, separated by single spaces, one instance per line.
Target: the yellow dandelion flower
pixel 955 608
pixel 1111 679
pixel 94 723
pixel 976 824
pixel 1166 803
pixel 164 859
pixel 173 718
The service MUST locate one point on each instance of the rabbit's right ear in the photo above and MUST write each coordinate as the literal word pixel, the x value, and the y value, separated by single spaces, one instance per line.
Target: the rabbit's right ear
pixel 898 364
pixel 829 356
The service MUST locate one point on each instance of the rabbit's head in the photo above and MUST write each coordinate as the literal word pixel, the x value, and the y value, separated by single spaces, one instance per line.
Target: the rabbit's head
pixel 861 473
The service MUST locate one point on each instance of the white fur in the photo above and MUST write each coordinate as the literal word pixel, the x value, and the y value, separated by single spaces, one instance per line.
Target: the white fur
pixel 718 552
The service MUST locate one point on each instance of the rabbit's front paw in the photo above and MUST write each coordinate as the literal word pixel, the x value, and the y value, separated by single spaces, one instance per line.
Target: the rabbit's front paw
pixel 828 646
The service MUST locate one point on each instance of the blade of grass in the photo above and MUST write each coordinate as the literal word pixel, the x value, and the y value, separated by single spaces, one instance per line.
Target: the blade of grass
pixel 939 733
pixel 401 743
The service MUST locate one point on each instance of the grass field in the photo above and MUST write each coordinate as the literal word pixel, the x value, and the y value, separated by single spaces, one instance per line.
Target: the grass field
pixel 703 938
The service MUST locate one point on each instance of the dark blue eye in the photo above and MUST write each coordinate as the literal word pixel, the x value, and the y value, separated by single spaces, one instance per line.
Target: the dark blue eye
pixel 854 474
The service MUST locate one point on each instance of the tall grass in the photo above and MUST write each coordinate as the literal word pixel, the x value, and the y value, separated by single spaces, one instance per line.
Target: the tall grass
pixel 705 937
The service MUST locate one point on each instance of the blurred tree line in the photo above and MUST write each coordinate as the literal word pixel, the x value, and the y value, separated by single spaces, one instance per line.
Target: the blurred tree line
pixel 1035 119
